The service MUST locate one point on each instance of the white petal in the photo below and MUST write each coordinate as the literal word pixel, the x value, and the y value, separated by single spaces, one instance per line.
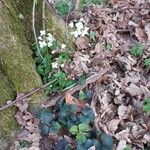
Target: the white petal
pixel 40 38
pixel 81 19
pixel 62 65
pixel 71 24
pixel 49 44
pixel 63 46
pixel 54 65
pixel 79 25
pixel 42 32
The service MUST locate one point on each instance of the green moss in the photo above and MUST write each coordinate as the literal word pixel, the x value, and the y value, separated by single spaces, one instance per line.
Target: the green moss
pixel 57 27
pixel 18 66
pixel 8 124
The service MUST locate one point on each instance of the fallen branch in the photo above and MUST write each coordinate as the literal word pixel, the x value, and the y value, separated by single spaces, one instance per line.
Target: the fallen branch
pixel 78 87
pixel 26 95
pixel 89 80
pixel 71 91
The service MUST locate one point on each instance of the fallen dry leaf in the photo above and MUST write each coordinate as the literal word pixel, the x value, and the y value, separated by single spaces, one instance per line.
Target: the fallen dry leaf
pixel 113 125
pixel 121 145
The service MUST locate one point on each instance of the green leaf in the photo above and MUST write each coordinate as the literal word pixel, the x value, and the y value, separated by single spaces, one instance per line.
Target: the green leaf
pixel 82 95
pixel 83 127
pixel 107 141
pixel 81 137
pixel 128 147
pixel 45 116
pixel 92 35
pixel 137 50
pixel 44 128
pixel 55 126
pixel 62 7
pixel 146 106
pixel 74 130
pixel 147 62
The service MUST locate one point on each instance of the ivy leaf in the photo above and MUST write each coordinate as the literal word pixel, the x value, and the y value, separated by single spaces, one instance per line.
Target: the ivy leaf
pixel 44 128
pixel 83 127
pixel 74 130
pixel 62 144
pixel 55 126
pixel 45 116
pixel 107 141
pixel 81 137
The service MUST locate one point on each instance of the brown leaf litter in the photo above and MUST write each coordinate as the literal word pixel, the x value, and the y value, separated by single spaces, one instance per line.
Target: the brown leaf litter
pixel 119 101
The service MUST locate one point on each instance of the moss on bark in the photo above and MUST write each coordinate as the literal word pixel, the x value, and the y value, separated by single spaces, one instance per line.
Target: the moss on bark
pixel 16 56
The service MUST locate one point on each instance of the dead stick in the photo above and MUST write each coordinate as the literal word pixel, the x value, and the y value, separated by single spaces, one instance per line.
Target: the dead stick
pixel 78 87
pixel 26 95
pixel 89 80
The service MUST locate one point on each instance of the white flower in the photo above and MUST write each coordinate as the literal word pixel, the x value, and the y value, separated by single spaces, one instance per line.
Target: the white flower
pixel 54 65
pixel 40 38
pixel 53 52
pixel 49 44
pixel 50 38
pixel 63 46
pixel 71 24
pixel 42 32
pixel 79 25
pixel 42 44
pixel 62 65
pixel 85 31
pixel 81 19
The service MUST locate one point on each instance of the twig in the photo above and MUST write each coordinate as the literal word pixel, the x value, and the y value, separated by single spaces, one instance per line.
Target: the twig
pixel 33 26
pixel 78 87
pixel 26 95
pixel 89 80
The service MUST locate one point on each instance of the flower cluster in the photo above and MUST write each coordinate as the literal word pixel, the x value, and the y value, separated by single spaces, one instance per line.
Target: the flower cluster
pixel 81 29
pixel 56 65
pixel 45 39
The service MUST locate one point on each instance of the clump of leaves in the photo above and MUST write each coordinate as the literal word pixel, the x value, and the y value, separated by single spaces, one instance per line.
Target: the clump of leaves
pixel 48 123
pixel 146 106
pixel 137 50
pixel 68 115
pixel 80 131
pixel 147 62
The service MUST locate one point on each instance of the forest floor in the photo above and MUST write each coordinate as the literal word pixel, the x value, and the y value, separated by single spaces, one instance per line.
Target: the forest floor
pixel 114 63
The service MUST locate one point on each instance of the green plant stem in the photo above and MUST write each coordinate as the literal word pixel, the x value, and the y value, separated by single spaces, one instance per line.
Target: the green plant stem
pixel 34 31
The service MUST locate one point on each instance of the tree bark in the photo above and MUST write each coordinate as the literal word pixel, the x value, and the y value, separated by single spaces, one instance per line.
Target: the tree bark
pixel 17 68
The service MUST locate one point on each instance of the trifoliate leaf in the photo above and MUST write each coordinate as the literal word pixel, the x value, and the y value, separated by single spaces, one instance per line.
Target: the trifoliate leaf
pixel 83 127
pixel 74 130
pixel 81 137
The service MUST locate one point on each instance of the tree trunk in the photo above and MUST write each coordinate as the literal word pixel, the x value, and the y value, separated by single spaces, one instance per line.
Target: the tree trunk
pixel 17 69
